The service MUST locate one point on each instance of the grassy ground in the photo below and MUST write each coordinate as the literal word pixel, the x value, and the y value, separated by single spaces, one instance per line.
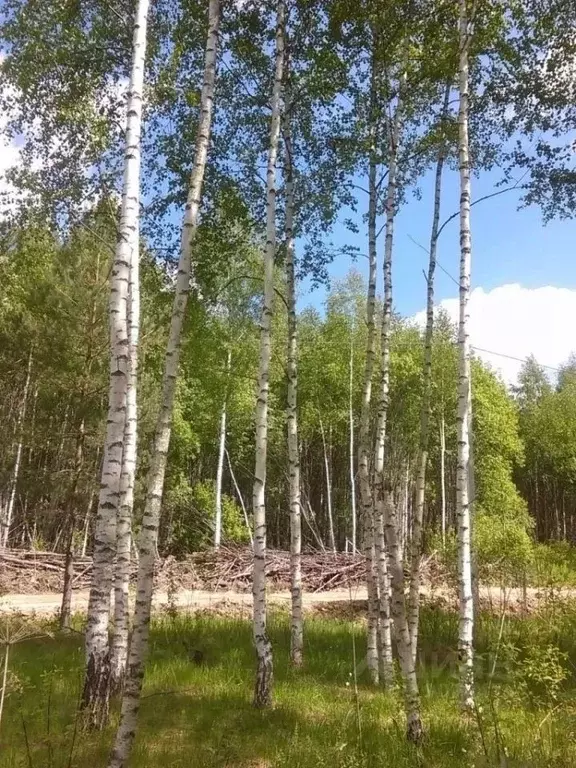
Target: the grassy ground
pixel 196 709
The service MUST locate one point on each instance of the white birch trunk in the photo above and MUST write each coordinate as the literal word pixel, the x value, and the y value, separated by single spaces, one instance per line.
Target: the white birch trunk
pixel 119 649
pixel 149 536
pixel 328 489
pixel 443 477
pixel 220 465
pixel 418 517
pixel 87 524
pixel 114 505
pixel 466 624
pixel 364 439
pixel 240 499
pixel 384 589
pixel 297 624
pixel 386 661
pixel 414 729
pixel 9 511
pixel 351 430
pixel 264 672
pixel 385 504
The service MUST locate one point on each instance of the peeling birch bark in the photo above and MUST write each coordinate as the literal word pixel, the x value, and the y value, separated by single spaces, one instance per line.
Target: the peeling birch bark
pixel 296 619
pixel 264 671
pixel 466 623
pixel 151 519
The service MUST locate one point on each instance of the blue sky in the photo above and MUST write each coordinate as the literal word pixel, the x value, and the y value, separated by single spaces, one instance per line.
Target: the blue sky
pixel 524 272
pixel 509 245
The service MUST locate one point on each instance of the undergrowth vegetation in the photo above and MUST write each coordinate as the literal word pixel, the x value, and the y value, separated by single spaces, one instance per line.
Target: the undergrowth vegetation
pixel 196 707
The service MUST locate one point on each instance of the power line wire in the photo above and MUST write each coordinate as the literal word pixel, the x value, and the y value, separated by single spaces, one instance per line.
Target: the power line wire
pixel 511 357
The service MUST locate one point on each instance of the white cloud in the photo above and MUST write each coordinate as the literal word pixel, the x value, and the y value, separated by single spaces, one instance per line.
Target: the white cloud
pixel 516 321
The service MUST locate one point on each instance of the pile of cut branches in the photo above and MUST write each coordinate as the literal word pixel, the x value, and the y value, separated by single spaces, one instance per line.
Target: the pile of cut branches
pixel 30 571
pixel 230 568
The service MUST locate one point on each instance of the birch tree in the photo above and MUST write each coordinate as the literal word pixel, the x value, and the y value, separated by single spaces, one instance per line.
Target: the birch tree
pixel 221 452
pixel 155 485
pixel 425 408
pixel 364 429
pixel 386 515
pixel 297 625
pixel 379 510
pixel 466 623
pixel 117 485
pixel 264 672
pixel 351 440
pixel 119 649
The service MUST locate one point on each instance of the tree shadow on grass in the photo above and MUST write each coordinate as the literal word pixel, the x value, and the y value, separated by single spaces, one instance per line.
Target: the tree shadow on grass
pixel 197 711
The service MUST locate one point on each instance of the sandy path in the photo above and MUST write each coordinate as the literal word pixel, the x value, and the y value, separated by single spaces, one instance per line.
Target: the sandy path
pixel 49 603
pixel 189 600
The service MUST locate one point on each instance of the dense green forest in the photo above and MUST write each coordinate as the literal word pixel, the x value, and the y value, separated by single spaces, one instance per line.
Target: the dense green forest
pixel 54 371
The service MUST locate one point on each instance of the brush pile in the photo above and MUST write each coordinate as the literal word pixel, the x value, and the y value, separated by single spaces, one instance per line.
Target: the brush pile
pixel 228 568
pixel 29 572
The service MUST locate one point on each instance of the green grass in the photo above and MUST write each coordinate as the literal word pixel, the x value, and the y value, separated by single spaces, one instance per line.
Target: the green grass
pixel 200 714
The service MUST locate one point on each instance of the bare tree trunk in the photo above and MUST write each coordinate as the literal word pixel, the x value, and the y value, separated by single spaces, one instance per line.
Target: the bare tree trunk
pixel 151 519
pixel 471 502
pixel 443 476
pixel 364 448
pixel 66 607
pixel 87 524
pixel 386 660
pixel 6 520
pixel 119 649
pixel 240 498
pixel 114 506
pixel 351 430
pixel 221 451
pixel 395 553
pixel 414 729
pixel 297 624
pixel 328 489
pixel 264 673
pixel 466 626
pixel 418 518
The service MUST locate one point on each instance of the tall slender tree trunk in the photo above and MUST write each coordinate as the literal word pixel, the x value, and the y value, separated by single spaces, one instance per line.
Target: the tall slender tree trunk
pixel 418 518
pixel 466 624
pixel 297 623
pixel 114 506
pixel 328 478
pixel 151 519
pixel 414 729
pixel 264 672
pixel 443 475
pixel 364 448
pixel 119 649
pixel 351 452
pixel 383 499
pixel 240 498
pixel 6 520
pixel 66 607
pixel 221 452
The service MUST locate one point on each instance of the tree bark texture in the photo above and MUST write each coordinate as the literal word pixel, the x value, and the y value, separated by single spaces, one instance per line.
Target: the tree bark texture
pixel 466 623
pixel 264 671
pixel 296 619
pixel 418 517
pixel 112 507
pixel 151 519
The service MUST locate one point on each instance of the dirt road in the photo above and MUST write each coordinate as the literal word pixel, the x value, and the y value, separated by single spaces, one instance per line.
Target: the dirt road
pixel 185 600
pixel 190 600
